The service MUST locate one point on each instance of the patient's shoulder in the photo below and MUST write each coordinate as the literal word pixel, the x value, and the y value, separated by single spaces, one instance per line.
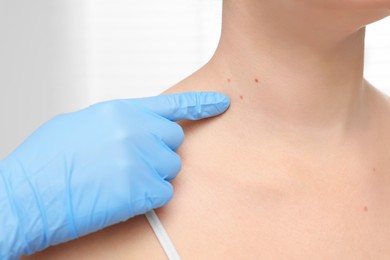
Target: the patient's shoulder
pixel 133 239
pixel 181 87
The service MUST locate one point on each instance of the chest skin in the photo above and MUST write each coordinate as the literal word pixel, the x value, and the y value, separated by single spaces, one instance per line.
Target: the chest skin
pixel 237 200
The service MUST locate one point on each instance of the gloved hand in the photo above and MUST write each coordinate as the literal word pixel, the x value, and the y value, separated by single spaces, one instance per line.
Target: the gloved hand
pixel 86 170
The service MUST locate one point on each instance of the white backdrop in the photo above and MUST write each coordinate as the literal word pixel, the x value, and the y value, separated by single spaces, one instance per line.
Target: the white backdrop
pixel 144 48
pixel 58 56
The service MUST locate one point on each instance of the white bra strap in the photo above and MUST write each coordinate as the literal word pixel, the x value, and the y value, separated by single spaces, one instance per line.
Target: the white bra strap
pixel 162 236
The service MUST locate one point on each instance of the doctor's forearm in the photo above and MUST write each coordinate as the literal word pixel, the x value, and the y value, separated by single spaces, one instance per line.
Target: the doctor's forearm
pixel 30 221
pixel 9 223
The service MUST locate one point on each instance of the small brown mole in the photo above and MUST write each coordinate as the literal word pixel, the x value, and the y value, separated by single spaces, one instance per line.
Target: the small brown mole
pixel 241 97
pixel 374 169
pixel 256 80
pixel 229 80
pixel 365 209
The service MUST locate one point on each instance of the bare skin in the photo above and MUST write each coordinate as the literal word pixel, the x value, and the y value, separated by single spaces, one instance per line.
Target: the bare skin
pixel 298 167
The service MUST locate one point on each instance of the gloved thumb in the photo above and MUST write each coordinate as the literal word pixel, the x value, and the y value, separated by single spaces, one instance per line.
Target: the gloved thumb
pixel 186 105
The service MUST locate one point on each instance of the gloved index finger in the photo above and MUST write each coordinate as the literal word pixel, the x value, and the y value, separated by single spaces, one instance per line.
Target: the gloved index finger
pixel 186 105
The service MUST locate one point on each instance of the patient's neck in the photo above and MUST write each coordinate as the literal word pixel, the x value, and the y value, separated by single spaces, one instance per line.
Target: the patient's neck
pixel 294 74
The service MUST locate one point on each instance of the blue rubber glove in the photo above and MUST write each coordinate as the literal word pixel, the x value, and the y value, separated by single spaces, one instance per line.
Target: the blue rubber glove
pixel 86 170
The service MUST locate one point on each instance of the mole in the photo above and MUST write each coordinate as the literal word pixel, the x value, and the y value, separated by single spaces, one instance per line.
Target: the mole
pixel 373 169
pixel 365 209
pixel 256 80
pixel 241 97
pixel 228 80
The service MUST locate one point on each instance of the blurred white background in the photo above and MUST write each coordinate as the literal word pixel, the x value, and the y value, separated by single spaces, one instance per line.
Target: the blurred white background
pixel 59 56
